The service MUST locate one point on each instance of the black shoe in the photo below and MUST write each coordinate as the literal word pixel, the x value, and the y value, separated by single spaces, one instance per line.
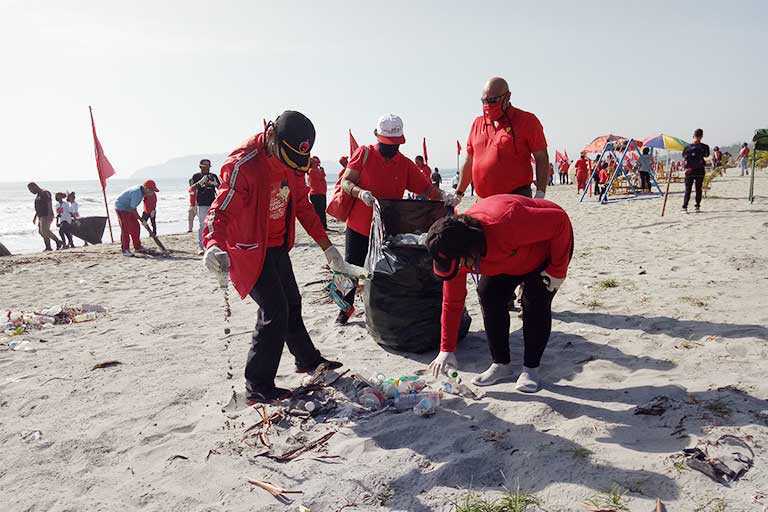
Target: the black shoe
pixel 329 365
pixel 59 245
pixel 267 396
pixel 685 209
pixel 697 209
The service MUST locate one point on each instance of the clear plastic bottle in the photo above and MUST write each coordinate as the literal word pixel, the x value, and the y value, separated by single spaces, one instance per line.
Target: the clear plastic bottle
pixel 409 401
pixel 85 317
pixel 370 399
pixel 426 406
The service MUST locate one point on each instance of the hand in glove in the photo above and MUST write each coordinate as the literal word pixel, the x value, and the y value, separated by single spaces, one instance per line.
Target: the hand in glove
pixel 539 194
pixel 216 260
pixel 337 264
pixel 442 362
pixel 552 284
pixel 449 199
pixel 366 197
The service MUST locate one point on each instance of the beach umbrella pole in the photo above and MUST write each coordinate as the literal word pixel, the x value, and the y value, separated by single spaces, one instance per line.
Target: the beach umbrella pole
pixel 752 178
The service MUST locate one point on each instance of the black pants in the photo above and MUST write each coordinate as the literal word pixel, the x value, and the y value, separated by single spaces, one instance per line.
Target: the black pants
pixel 278 322
pixel 645 181
pixel 318 201
pixel 355 250
pixel 65 233
pixel 495 293
pixel 690 180
pixel 597 186
pixel 152 221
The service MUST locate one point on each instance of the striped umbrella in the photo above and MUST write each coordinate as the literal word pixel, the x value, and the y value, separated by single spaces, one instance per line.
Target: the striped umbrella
pixel 663 141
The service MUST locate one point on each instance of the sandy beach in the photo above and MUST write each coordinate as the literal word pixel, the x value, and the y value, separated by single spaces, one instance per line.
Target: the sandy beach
pixel 673 307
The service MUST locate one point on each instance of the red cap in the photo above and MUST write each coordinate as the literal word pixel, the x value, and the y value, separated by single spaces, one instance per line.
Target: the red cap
pixel 151 185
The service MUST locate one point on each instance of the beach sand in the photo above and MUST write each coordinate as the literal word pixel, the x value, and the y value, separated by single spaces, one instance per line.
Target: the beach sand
pixel 674 306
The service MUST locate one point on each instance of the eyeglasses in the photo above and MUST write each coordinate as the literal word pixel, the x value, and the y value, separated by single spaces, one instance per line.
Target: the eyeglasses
pixel 493 99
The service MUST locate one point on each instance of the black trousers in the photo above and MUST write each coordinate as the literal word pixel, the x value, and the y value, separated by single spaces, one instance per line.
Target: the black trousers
pixel 355 251
pixel 495 293
pixel 278 322
pixel 645 181
pixel 690 180
pixel 318 201
pixel 65 233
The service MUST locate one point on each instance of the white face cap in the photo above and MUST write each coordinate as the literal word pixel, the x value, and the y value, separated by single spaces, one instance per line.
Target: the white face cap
pixel 389 129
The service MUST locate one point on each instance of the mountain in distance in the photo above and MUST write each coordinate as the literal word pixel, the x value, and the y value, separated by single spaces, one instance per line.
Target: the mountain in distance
pixel 180 167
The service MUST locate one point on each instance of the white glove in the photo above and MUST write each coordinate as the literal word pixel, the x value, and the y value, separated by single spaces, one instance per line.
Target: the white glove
pixel 216 260
pixel 449 199
pixel 442 362
pixel 552 284
pixel 337 264
pixel 539 194
pixel 366 197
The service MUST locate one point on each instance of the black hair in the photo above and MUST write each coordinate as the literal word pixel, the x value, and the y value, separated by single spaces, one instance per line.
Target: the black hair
pixel 646 151
pixel 698 133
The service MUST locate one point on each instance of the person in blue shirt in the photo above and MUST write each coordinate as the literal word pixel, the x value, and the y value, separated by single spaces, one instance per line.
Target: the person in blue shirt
pixel 125 206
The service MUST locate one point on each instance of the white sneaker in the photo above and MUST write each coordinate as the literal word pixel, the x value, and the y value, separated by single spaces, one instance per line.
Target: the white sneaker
pixel 493 375
pixel 528 381
pixel 127 253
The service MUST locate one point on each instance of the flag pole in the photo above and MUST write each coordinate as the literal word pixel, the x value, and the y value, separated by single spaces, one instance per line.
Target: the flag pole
pixel 98 171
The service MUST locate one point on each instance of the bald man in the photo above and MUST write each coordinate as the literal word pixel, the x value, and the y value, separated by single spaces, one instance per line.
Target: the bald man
pixel 500 145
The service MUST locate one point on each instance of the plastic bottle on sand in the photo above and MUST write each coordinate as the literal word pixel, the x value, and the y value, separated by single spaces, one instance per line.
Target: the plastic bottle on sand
pixel 85 317
pixel 409 401
pixel 370 399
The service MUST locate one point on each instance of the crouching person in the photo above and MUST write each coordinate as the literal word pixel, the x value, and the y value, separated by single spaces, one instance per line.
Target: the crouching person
pixel 249 231
pixel 504 240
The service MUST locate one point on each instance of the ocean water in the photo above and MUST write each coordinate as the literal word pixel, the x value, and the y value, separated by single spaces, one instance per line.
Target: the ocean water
pixel 20 236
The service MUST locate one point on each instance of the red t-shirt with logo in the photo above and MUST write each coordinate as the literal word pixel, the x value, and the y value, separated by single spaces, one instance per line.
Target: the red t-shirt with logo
pixel 278 205
pixel 501 152
pixel 317 182
pixel 385 179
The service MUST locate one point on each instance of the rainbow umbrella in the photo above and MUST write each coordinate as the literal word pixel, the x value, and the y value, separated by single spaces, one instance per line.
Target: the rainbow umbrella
pixel 663 141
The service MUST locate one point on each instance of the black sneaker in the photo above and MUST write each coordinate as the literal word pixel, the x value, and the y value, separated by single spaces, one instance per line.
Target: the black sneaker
pixel 685 209
pixel 329 365
pixel 697 209
pixel 267 396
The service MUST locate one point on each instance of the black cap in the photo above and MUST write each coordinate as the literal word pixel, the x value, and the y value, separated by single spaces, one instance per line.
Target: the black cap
pixel 450 239
pixel 295 137
pixel 205 161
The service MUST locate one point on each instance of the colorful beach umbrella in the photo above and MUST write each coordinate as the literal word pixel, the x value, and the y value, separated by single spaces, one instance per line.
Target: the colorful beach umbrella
pixel 597 145
pixel 663 141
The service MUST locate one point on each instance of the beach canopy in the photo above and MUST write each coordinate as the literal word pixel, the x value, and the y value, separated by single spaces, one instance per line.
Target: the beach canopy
pixel 663 141
pixel 597 145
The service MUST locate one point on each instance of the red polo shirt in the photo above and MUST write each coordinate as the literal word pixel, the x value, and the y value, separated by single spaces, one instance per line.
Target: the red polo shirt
pixel 385 179
pixel 426 171
pixel 501 152
pixel 317 183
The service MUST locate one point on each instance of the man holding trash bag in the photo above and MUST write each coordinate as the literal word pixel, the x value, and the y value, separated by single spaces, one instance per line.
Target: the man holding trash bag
pixel 249 230
pixel 504 240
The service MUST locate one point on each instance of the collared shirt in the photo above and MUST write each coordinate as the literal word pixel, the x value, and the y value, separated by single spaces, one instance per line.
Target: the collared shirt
pixel 501 152
pixel 129 199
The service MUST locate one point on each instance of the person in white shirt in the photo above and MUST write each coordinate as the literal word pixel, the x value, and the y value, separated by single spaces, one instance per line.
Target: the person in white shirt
pixel 70 212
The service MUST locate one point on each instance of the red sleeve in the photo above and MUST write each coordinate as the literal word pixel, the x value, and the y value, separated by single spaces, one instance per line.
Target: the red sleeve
pixel 470 147
pixel 229 203
pixel 306 213
pixel 550 224
pixel 416 181
pixel 454 295
pixel 356 160
pixel 536 139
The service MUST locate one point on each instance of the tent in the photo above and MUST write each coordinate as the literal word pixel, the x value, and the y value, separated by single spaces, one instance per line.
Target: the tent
pixel 620 148
pixel 89 229
pixel 761 144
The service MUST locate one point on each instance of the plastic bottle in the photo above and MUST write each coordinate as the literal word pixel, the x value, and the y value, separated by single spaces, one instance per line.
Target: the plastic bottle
pixel 85 317
pixel 409 401
pixel 370 399
pixel 390 388
pixel 426 406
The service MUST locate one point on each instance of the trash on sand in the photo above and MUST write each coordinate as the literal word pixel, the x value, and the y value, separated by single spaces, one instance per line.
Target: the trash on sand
pixel 21 346
pixel 409 401
pixel 724 460
pixel 427 406
pixel 105 364
pixel 275 490
pixel 18 322
pixel 32 436
pixel 655 407
pixel 294 453
pixel 371 399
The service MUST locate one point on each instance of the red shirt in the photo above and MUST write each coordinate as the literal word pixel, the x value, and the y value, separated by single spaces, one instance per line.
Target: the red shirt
pixel 426 171
pixel 603 176
pixel 385 179
pixel 522 235
pixel 238 220
pixel 279 196
pixel 582 168
pixel 563 167
pixel 317 183
pixel 744 152
pixel 192 196
pixel 501 153
pixel 150 203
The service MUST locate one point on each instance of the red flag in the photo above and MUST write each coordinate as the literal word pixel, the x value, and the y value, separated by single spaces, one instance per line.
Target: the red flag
pixel 458 148
pixel 565 154
pixel 103 166
pixel 352 144
pixel 424 148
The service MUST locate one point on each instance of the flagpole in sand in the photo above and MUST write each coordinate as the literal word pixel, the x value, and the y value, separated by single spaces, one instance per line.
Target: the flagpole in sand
pixel 98 170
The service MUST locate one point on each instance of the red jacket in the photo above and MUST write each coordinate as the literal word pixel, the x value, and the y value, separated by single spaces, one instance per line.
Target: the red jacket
pixel 237 219
pixel 522 235
pixel 317 183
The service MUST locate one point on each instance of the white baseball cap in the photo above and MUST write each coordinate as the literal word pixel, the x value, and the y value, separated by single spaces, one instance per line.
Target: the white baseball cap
pixel 389 129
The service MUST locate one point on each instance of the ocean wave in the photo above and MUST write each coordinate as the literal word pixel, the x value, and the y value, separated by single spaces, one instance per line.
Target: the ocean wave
pixel 17 232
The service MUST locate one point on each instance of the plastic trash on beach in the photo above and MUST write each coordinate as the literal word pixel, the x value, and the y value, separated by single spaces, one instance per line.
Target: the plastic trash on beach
pixel 21 345
pixel 426 407
pixel 18 322
pixel 411 400
pixel 371 398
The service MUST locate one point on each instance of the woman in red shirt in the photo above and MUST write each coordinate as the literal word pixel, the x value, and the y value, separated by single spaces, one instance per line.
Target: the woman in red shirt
pixel 582 172
pixel 379 172
pixel 318 187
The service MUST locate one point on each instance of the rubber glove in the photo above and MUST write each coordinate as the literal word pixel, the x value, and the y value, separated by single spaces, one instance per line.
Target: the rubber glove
pixel 337 264
pixel 216 260
pixel 366 197
pixel 449 199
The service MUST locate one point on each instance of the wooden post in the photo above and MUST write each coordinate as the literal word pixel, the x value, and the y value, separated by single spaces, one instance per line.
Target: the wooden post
pixel 666 194
pixel 752 177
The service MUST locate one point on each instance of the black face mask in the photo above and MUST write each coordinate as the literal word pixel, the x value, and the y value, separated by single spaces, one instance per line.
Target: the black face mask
pixel 388 150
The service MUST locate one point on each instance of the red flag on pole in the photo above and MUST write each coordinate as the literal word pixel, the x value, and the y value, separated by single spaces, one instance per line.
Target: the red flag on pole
pixel 424 148
pixel 352 144
pixel 458 148
pixel 104 168
pixel 565 154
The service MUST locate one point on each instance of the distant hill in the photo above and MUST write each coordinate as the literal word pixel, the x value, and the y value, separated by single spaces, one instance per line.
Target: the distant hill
pixel 181 167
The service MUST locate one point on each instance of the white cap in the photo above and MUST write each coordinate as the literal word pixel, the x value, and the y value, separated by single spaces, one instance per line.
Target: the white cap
pixel 389 129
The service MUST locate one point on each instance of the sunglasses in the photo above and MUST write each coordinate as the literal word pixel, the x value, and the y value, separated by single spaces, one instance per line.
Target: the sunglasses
pixel 492 99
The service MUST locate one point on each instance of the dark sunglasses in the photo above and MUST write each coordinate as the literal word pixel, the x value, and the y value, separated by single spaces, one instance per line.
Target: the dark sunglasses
pixel 493 99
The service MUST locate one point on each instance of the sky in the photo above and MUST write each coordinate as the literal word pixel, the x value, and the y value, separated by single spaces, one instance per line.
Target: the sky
pixel 173 78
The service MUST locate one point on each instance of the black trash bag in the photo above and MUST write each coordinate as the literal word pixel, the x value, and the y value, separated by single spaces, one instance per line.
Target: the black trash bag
pixel 403 299
pixel 89 229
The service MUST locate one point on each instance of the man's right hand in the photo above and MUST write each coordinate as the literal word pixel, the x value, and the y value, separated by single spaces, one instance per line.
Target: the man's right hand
pixel 366 197
pixel 216 260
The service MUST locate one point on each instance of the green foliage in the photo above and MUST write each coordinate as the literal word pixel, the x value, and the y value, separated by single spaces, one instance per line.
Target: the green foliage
pixel 511 501
pixel 612 500
pixel 608 283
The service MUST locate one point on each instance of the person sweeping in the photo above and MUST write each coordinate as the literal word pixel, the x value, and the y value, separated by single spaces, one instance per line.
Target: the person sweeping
pixel 249 231
pixel 504 240
pixel 125 206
